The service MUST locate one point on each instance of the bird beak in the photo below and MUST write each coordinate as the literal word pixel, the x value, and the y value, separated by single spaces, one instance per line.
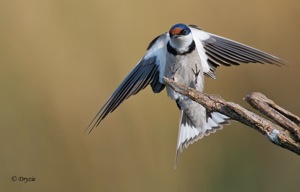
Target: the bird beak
pixel 174 36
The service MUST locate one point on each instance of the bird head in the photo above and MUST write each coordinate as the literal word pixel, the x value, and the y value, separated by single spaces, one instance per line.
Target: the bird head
pixel 179 30
pixel 180 37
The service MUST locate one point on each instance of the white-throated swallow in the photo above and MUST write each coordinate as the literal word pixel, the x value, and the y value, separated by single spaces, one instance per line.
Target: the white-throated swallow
pixel 185 54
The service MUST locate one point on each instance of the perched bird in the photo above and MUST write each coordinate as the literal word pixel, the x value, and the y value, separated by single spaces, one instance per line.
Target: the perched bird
pixel 185 54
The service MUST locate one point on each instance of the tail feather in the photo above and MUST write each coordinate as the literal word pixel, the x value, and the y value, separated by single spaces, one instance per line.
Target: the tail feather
pixel 189 132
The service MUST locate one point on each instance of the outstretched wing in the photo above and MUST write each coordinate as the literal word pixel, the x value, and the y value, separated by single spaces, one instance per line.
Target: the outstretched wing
pixel 149 70
pixel 219 51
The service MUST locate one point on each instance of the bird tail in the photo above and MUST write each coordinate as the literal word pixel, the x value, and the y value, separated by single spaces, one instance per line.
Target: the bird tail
pixel 189 132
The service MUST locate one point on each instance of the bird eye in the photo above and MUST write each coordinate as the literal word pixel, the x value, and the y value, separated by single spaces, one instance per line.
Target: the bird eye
pixel 183 32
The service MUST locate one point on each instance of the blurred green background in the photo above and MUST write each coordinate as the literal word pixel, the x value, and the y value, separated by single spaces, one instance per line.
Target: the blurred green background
pixel 61 60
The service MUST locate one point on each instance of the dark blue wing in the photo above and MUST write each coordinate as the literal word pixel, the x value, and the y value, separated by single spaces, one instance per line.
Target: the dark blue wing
pixel 146 72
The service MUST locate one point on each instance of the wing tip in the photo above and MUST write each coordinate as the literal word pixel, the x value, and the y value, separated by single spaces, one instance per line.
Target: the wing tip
pixel 93 124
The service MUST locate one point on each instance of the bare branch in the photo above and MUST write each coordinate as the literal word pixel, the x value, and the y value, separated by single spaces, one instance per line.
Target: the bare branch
pixel 281 116
pixel 285 135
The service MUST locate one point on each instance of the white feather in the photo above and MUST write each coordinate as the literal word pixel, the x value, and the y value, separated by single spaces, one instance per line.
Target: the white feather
pixel 211 124
pixel 216 120
pixel 186 133
pixel 218 117
pixel 159 49
pixel 199 36
pixel 191 133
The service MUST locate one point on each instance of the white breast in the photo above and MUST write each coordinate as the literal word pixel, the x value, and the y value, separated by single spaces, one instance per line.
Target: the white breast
pixel 184 69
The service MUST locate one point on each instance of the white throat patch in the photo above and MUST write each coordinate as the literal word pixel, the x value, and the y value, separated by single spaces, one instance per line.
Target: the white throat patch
pixel 181 44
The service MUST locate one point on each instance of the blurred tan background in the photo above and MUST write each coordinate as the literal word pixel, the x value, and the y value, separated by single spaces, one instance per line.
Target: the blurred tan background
pixel 61 59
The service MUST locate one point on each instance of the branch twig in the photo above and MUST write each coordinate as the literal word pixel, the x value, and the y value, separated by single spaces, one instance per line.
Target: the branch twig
pixel 285 133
